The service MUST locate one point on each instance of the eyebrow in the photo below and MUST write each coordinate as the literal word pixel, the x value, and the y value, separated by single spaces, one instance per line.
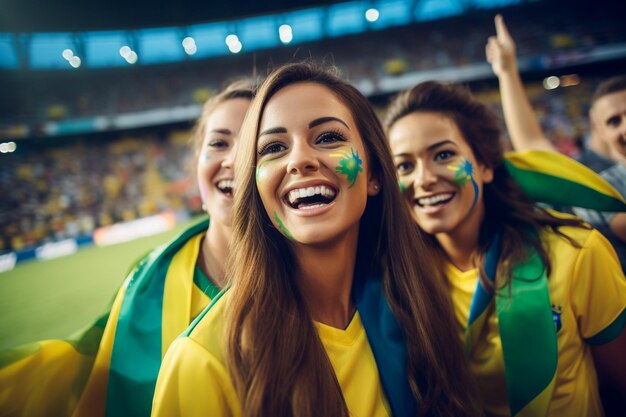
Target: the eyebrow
pixel 327 119
pixel 440 143
pixel 312 124
pixel 222 131
pixel 430 148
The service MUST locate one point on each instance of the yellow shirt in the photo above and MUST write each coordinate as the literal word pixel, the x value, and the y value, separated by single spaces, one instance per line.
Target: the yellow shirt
pixel 587 292
pixel 194 380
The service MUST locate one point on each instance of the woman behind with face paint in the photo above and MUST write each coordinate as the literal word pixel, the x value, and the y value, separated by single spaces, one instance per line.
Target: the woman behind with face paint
pixel 318 217
pixel 541 297
pixel 171 285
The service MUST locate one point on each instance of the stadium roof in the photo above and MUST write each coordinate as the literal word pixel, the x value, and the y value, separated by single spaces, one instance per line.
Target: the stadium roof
pixel 85 15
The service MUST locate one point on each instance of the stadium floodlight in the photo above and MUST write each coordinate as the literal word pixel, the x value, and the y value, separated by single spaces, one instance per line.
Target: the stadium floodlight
pixel 232 40
pixel 372 15
pixel 552 82
pixel 125 51
pixel 189 42
pixel 132 57
pixel 285 33
pixel 235 47
pixel 75 61
pixel 68 54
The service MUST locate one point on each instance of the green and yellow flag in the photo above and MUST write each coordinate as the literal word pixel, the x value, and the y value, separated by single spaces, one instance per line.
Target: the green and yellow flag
pixel 111 370
pixel 553 178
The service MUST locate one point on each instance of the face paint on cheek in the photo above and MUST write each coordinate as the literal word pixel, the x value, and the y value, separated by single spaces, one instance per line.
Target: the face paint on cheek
pixel 464 173
pixel 349 165
pixel 282 227
pixel 402 187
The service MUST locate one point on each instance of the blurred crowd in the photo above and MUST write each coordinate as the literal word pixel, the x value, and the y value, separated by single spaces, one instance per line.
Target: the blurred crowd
pixel 67 191
pixel 367 57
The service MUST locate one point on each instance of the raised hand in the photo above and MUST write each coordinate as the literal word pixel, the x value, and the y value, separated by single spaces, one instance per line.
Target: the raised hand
pixel 500 49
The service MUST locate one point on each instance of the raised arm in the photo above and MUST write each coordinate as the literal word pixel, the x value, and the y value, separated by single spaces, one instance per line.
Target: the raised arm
pixel 521 121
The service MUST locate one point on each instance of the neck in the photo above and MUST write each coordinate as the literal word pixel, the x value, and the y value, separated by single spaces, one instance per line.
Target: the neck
pixel 325 275
pixel 461 244
pixel 214 251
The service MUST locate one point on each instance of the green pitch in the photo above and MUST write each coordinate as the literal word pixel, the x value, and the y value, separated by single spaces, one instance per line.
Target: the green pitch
pixel 53 299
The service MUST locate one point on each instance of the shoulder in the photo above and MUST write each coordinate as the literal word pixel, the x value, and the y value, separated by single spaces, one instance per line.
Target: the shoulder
pixel 207 331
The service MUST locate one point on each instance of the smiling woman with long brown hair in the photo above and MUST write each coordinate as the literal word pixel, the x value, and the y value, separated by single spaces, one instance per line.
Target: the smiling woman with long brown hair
pixel 318 216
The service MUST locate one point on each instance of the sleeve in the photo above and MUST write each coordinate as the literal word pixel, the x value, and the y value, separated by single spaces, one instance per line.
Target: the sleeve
pixel 598 291
pixel 192 382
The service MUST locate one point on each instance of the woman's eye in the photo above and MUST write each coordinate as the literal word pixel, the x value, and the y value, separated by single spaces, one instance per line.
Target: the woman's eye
pixel 330 137
pixel 404 167
pixel 443 155
pixel 218 143
pixel 273 147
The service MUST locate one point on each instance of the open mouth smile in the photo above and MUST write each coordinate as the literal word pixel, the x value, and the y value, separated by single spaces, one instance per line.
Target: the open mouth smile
pixel 226 187
pixel 434 200
pixel 308 198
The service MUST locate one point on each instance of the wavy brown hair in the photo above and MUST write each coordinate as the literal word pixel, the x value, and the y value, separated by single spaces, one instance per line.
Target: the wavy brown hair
pixel 274 354
pixel 507 208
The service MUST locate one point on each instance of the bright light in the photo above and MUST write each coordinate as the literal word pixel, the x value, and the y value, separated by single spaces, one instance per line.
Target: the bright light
pixel 235 47
pixel 285 33
pixel 191 50
pixel 550 83
pixel 125 51
pixel 132 57
pixel 232 40
pixel 7 147
pixel 68 54
pixel 372 15
pixel 189 42
pixel 75 61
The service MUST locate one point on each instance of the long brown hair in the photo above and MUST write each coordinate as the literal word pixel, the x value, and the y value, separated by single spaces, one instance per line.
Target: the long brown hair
pixel 506 207
pixel 273 351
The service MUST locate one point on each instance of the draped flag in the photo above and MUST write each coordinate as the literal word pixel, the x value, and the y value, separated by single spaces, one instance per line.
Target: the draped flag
pixel 112 370
pixel 553 178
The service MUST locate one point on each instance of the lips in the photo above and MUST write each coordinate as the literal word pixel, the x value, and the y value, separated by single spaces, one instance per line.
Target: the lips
pixel 434 200
pixel 310 197
pixel 226 187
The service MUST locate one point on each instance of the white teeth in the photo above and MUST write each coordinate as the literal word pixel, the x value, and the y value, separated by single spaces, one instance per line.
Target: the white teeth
pixel 309 192
pixel 223 184
pixel 429 201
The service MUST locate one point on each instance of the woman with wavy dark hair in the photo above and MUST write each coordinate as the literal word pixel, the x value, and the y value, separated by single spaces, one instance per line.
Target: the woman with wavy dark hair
pixel 541 296
pixel 319 225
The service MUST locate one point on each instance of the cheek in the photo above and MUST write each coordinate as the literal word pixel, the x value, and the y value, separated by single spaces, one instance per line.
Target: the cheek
pixel 267 180
pixel 348 163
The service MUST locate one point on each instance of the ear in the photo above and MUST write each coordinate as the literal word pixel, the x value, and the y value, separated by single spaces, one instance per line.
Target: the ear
pixel 373 186
pixel 486 173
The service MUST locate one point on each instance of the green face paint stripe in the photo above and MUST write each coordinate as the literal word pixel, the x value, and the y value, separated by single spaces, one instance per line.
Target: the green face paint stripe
pixel 282 227
pixel 349 165
pixel 402 187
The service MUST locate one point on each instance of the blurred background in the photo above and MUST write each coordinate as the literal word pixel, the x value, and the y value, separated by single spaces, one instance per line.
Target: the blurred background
pixel 97 102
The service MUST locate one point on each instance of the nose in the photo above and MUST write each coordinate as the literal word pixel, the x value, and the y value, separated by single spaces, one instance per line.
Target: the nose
pixel 424 176
pixel 302 159
pixel 229 160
